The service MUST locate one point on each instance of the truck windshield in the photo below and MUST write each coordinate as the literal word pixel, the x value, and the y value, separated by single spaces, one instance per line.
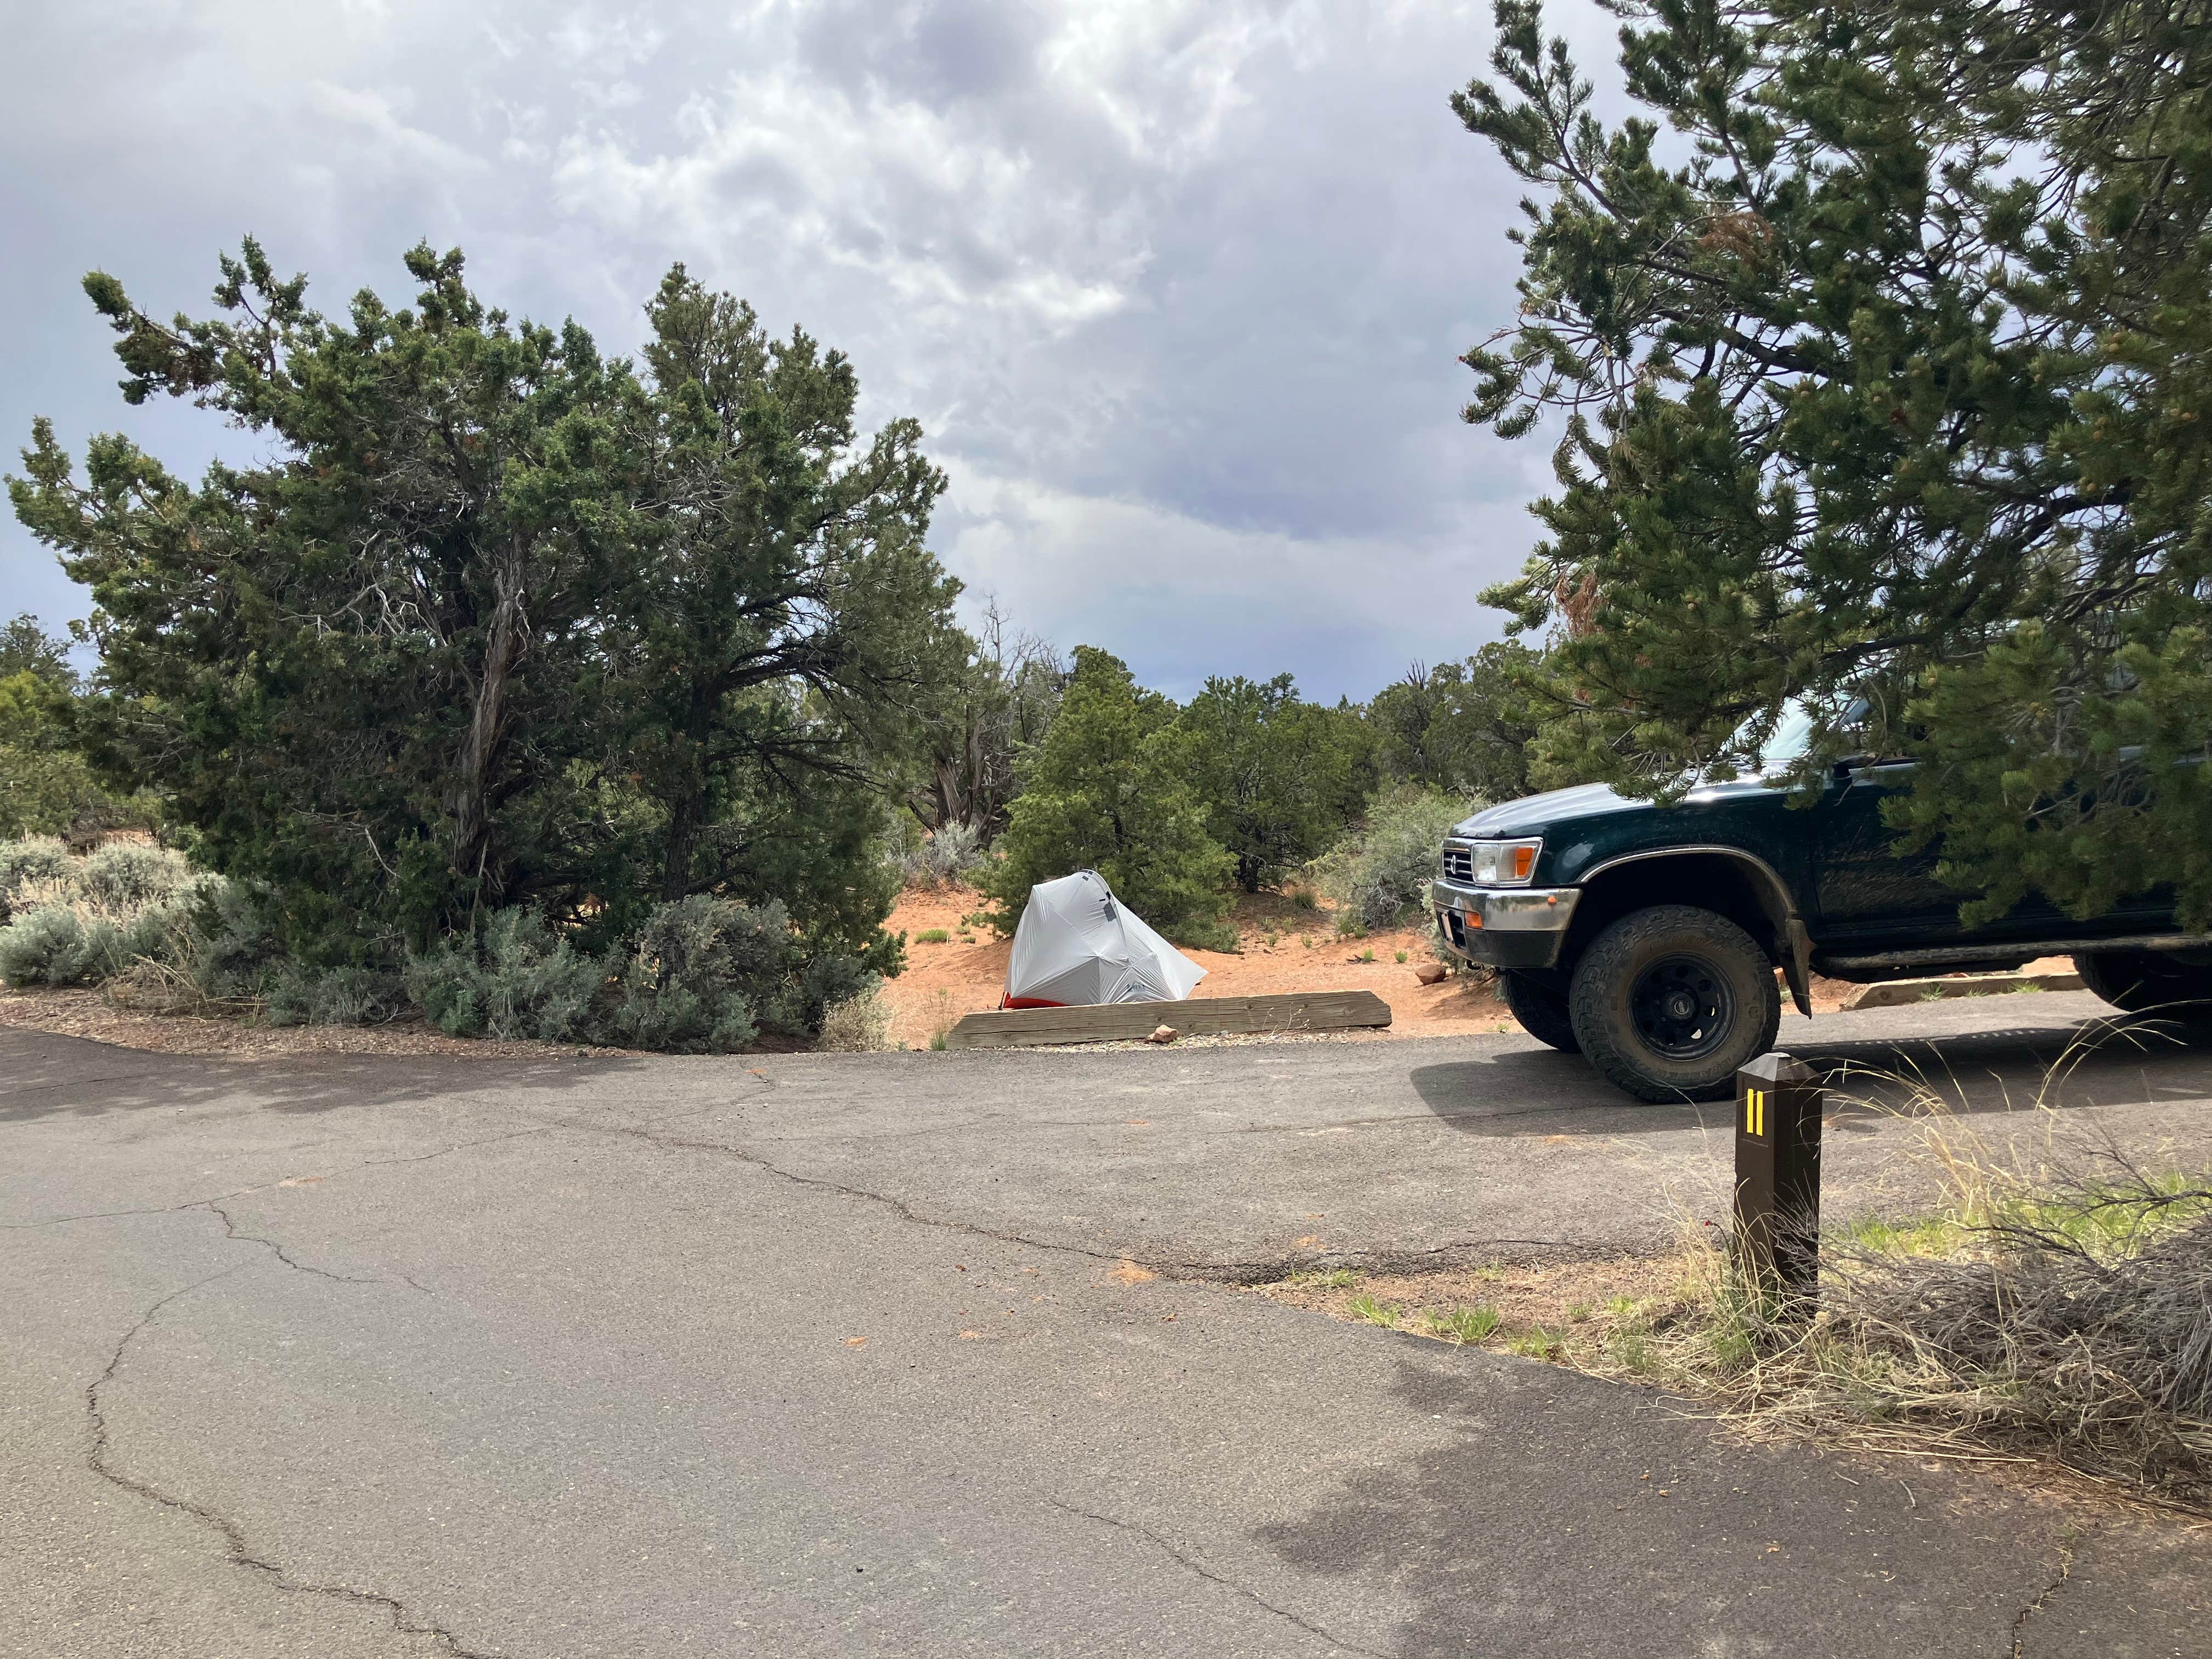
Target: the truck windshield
pixel 1793 733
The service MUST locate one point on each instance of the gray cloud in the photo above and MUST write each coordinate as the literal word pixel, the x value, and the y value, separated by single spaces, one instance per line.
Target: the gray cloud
pixel 1176 285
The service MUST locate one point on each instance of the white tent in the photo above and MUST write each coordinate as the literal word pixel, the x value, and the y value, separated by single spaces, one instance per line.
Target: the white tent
pixel 1077 943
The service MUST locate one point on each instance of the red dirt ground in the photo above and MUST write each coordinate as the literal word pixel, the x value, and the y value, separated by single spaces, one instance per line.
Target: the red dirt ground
pixel 944 982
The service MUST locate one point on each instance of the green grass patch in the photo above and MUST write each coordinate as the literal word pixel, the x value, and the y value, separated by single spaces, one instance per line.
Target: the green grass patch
pixel 1466 1324
pixel 1366 1307
pixel 933 936
pixel 1920 1235
pixel 1630 1350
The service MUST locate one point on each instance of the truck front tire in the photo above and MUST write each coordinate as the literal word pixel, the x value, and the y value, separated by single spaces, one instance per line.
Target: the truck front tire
pixel 2155 984
pixel 1542 1011
pixel 1667 1003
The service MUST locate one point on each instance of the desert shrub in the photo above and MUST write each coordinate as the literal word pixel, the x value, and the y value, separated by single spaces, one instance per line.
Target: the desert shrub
pixel 54 944
pixel 514 978
pixel 350 995
pixel 233 949
pixel 859 1024
pixel 99 917
pixel 828 978
pixel 35 860
pixel 939 858
pixel 126 876
pixel 2056 1302
pixel 1383 869
pixel 704 975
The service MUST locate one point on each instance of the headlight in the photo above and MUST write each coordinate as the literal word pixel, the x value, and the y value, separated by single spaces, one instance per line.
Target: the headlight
pixel 1492 863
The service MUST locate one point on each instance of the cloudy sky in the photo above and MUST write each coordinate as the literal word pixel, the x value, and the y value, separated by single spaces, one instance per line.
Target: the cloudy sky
pixel 1175 286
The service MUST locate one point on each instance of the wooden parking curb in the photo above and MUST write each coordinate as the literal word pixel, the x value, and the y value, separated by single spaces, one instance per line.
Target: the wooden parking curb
pixel 1896 992
pixel 1113 1022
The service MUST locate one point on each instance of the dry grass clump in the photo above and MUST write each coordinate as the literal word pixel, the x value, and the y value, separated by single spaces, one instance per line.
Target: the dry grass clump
pixel 860 1025
pixel 2057 1309
pixel 151 985
pixel 2078 1319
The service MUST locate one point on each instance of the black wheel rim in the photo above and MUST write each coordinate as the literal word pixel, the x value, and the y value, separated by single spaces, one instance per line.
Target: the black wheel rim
pixel 1682 1007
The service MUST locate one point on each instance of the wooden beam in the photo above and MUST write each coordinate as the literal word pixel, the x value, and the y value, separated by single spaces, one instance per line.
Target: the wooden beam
pixel 1112 1022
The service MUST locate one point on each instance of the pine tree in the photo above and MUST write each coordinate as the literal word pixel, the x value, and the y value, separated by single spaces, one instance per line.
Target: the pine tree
pixel 1877 357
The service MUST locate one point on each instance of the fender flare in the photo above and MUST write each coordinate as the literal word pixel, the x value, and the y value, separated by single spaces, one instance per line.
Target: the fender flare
pixel 1774 901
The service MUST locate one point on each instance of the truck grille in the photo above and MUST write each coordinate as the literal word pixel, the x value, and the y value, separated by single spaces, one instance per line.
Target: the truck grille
pixel 1459 865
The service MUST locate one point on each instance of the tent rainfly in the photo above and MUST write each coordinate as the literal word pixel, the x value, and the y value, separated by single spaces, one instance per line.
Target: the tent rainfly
pixel 1077 943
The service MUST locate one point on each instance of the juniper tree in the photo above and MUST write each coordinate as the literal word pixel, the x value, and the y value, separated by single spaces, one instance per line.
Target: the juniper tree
pixel 46 786
pixel 1464 727
pixel 965 769
pixel 781 622
pixel 493 619
pixel 1110 789
pixel 1280 776
pixel 1876 349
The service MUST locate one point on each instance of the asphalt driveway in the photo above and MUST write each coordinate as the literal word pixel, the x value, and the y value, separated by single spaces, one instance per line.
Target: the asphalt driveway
pixel 943 1354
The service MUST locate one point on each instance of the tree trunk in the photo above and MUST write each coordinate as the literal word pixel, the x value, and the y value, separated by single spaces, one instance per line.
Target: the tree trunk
pixel 683 816
pixel 468 800
pixel 687 811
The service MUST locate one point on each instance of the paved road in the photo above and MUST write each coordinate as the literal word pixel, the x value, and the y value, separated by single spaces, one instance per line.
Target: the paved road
pixel 838 1355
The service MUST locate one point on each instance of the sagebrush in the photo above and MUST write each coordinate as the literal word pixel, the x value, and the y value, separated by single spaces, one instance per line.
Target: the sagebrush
pixel 1381 872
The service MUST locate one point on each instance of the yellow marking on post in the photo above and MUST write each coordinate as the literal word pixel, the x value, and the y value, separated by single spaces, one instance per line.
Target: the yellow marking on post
pixel 1754 1111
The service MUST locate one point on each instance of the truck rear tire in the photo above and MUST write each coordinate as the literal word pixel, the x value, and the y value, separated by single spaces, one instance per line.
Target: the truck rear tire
pixel 1667 1003
pixel 2155 984
pixel 1542 1011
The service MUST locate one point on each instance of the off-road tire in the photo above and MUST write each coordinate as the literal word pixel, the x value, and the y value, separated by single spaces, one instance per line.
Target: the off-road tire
pixel 1542 1011
pixel 1705 947
pixel 2155 984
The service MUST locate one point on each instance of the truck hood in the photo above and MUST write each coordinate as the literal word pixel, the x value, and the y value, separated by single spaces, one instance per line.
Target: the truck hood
pixel 1534 814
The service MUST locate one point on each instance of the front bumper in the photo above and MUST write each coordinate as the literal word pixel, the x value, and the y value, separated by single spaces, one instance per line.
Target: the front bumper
pixel 1503 926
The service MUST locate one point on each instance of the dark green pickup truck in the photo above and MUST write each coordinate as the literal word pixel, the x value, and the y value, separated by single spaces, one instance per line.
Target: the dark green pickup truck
pixel 1647 937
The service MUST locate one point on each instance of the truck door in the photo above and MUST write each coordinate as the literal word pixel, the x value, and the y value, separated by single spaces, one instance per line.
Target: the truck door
pixel 1867 892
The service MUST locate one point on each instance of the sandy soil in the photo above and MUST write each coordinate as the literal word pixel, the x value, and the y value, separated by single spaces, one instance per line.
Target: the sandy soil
pixel 1553 1299
pixel 944 982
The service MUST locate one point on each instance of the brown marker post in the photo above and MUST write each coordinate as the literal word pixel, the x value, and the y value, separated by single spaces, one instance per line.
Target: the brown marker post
pixel 1777 1176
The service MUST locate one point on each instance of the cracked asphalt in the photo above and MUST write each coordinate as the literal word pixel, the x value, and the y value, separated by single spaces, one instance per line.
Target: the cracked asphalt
pixel 945 1354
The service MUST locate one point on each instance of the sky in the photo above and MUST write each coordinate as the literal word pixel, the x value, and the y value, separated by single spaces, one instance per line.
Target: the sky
pixel 1176 288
